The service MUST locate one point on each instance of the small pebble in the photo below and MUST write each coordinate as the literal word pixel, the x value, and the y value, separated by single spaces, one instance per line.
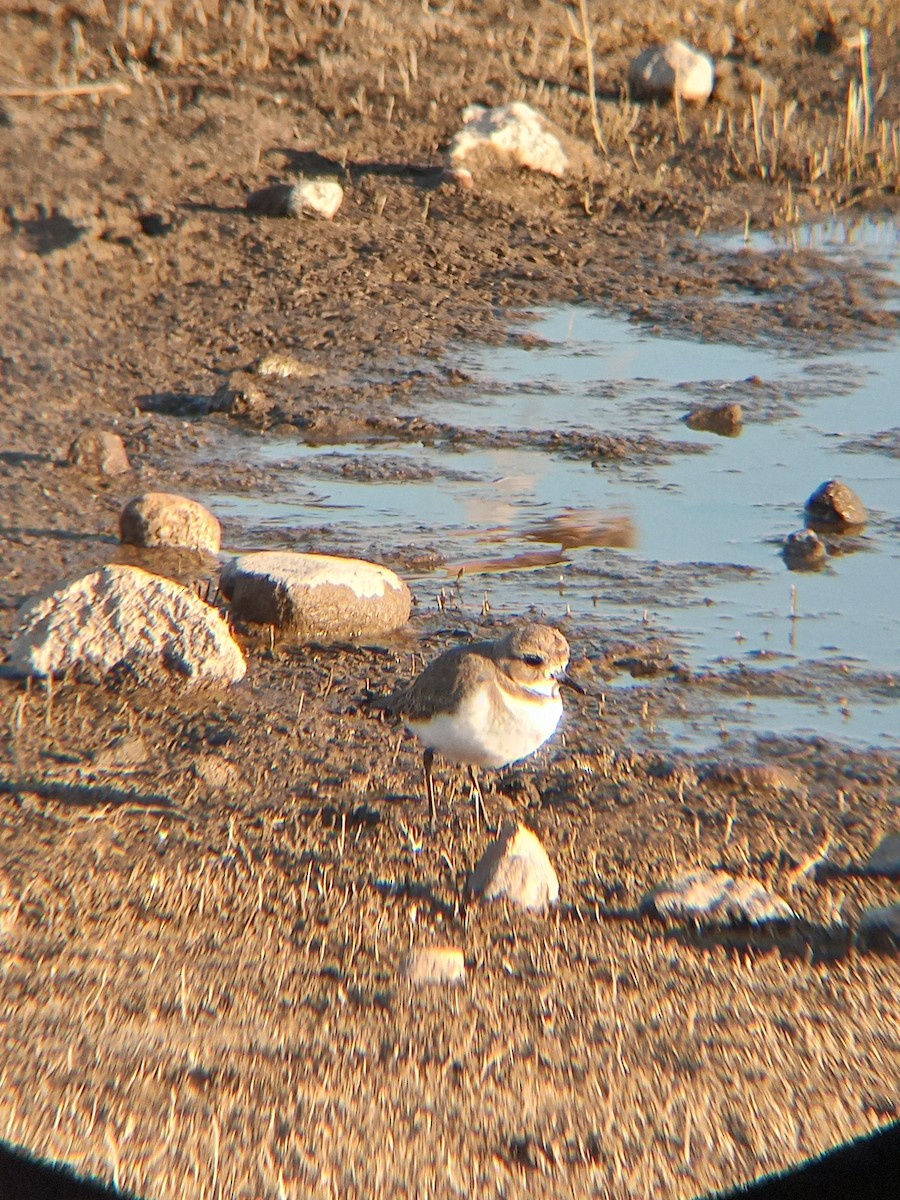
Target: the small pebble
pixel 435 964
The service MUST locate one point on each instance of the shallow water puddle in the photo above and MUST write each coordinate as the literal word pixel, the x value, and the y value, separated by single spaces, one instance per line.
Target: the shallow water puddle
pixel 684 540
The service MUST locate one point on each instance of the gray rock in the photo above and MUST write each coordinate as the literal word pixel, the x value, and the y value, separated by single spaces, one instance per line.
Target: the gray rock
pixel 836 506
pixel 803 550
pixel 516 867
pixel 165 519
pixel 880 927
pixel 885 858
pixel 307 197
pixel 662 72
pixel 125 615
pixel 435 964
pixel 715 898
pixel 515 135
pixel 99 454
pixel 315 596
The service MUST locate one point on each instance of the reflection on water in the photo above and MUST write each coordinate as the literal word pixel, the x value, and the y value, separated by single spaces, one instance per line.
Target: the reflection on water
pixel 632 536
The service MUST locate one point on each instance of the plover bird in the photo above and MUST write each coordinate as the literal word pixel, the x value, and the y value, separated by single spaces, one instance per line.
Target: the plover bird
pixel 488 704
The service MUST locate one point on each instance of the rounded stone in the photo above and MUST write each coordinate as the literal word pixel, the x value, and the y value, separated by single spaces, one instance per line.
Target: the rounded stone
pixel 100 453
pixel 123 615
pixel 662 72
pixel 803 550
pixel 165 519
pixel 836 506
pixel 727 420
pixel 315 596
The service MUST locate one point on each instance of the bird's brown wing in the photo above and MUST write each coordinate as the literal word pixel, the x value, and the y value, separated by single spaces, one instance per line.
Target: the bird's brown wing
pixel 443 682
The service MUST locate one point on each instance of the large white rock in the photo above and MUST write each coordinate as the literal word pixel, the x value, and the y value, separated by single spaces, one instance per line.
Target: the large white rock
pixel 315 596
pixel 516 867
pixel 435 964
pixel 715 898
pixel 125 615
pixel 662 72
pixel 518 136
pixel 166 519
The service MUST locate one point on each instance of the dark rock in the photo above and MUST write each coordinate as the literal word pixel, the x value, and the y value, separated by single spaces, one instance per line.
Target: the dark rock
pixel 835 506
pixel 803 550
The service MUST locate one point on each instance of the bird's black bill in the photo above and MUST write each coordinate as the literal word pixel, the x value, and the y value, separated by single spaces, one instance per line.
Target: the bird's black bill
pixel 569 682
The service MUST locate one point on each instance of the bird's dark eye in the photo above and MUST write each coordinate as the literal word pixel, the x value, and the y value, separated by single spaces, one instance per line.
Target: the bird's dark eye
pixel 533 660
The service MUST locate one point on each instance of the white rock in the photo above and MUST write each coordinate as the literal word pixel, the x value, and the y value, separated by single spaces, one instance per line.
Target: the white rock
pixel 165 519
pixel 516 867
pixel 320 196
pixel 714 898
pixel 518 135
pixel 661 72
pixel 125 615
pixel 435 964
pixel 315 595
pixel 310 197
pixel 885 858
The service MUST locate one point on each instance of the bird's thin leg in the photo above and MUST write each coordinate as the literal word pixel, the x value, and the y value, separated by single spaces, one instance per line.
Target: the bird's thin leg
pixel 479 798
pixel 427 762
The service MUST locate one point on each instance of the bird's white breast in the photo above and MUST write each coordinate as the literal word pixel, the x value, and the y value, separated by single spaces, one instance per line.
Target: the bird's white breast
pixel 488 734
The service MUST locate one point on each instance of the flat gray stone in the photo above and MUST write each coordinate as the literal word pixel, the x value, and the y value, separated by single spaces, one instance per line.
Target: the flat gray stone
pixel 315 596
pixel 662 72
pixel 435 964
pixel 885 858
pixel 517 868
pixel 166 519
pixel 715 898
pixel 99 453
pixel 125 615
pixel 880 927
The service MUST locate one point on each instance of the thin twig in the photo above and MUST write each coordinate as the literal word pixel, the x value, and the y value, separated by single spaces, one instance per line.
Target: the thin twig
pixel 75 89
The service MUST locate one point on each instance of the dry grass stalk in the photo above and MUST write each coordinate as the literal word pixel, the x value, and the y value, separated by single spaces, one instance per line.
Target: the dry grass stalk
pixel 588 37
